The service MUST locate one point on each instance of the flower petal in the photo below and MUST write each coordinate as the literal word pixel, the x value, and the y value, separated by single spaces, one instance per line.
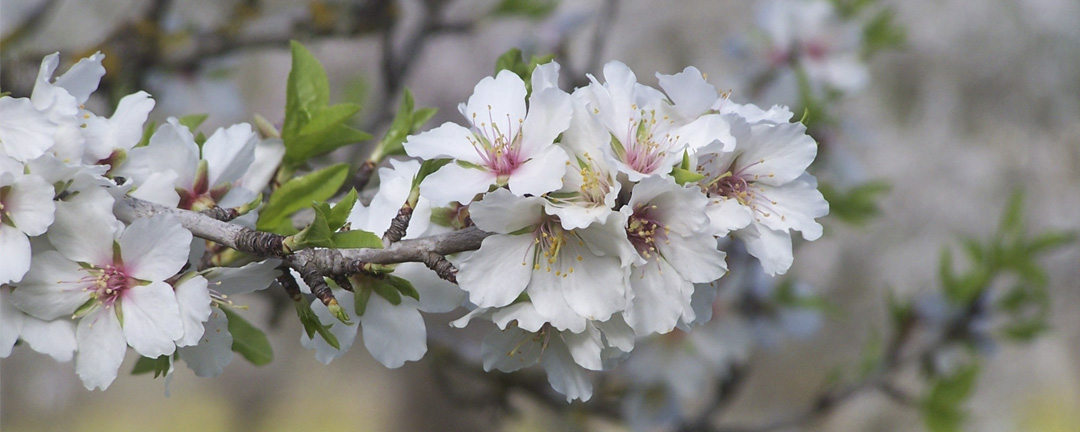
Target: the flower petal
pixel 565 375
pixel 214 350
pixel 695 257
pixel 393 334
pixel 229 152
pixel 70 235
pixel 54 338
pixel 549 115
pixel 659 298
pixel 29 204
pixel 16 249
pixel 151 319
pixel 497 102
pixel 455 183
pixel 345 334
pixel 772 248
pixel 11 322
pixel 155 248
pixel 688 91
pixel 499 271
pixel 436 294
pixel 83 78
pixel 776 154
pixel 585 347
pixel 541 174
pixel 101 348
pixel 53 287
pixel 194 301
pixel 446 141
pixel 172 148
pixel 511 349
pixel 232 281
pixel 795 206
pixel 502 212
pixel 25 132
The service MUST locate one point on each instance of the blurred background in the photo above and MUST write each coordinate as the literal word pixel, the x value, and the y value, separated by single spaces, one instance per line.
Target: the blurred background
pixel 982 99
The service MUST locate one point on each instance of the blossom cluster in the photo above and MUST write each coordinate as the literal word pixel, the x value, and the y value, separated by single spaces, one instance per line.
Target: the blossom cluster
pixel 78 282
pixel 609 207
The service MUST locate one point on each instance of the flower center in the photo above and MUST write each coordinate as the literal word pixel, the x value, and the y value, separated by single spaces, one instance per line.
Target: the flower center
pixel 551 240
pixel 645 144
pixel 740 186
pixel 644 230
pixel 595 184
pixel 501 153
pixel 110 283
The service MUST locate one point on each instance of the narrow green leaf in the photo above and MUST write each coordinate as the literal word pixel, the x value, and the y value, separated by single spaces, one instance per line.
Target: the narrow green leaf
pixel 306 90
pixel 159 366
pixel 298 193
pixel 340 212
pixel 427 168
pixel 316 234
pixel 386 290
pixel 683 176
pixel 404 287
pixel 941 406
pixel 193 121
pixel 526 8
pixel 248 341
pixel 355 239
pixel 312 325
pixel 1050 241
pixel 363 294
pixel 421 116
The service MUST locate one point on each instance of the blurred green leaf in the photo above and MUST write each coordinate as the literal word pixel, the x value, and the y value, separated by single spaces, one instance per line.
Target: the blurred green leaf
pixel 248 341
pixel 526 8
pixel 857 205
pixel 941 407
pixel 882 32
pixel 159 366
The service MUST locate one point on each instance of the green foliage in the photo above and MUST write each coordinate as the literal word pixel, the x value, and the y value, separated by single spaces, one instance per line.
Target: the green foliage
pixel 857 205
pixel 312 325
pixel 683 173
pixel 882 32
pixel 514 61
pixel 388 286
pixel 407 121
pixel 941 406
pixel 527 8
pixel 159 366
pixel 248 341
pixel 298 193
pixel 313 126
pixel 324 230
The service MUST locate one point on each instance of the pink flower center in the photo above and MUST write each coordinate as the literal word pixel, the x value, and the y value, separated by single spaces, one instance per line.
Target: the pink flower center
pixel 739 185
pixel 551 239
pixel 109 283
pixel 644 230
pixel 646 143
pixel 501 153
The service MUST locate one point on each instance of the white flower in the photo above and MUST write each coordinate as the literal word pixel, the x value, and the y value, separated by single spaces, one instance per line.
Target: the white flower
pixel 25 133
pixel 114 283
pixel 570 275
pixel 201 178
pixel 109 139
pixel 649 133
pixel 393 334
pixel 762 189
pixel 503 145
pixel 55 338
pixel 810 35
pixel 62 101
pixel 668 227
pixel 26 210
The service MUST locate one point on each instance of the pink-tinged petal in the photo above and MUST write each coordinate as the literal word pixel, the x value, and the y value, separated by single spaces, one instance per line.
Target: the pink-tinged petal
pixel 546 293
pixel 214 351
pixel 83 233
pixel 152 319
pixel 16 247
pixel 155 248
pixel 564 375
pixel 772 248
pixel 688 91
pixel 726 215
pixel 541 174
pixel 101 348
pixel 172 148
pixel 502 212
pixel 694 256
pixel 778 154
pixel 497 102
pixel 229 152
pixel 455 183
pixel 52 288
pixel 54 338
pixel 345 334
pixel 585 348
pixel 550 111
pixel 499 271
pixel 393 334
pixel 29 204
pixel 25 133
pixel 522 314
pixel 193 298
pixel 795 205
pixel 511 349
pixel 82 79
pixel 436 294
pixel 232 281
pixel 658 298
pixel 11 322
pixel 446 141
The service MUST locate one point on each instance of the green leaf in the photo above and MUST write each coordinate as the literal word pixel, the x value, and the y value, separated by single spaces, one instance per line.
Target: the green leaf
pixel 881 32
pixel 427 168
pixel 340 212
pixel 298 193
pixel 356 239
pixel 159 366
pixel 248 341
pixel 1012 222
pixel 387 290
pixel 312 325
pixel 1050 241
pixel 316 234
pixel 421 116
pixel 148 131
pixel 941 408
pixel 404 287
pixel 193 121
pixel 526 8
pixel 511 60
pixel 400 128
pixel 363 294
pixel 683 176
pixel 856 205
pixel 306 90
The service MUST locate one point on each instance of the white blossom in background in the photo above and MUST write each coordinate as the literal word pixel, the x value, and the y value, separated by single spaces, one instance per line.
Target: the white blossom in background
pixel 648 131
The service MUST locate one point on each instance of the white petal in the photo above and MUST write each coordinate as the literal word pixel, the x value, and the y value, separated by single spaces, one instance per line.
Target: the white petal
pixel 545 76
pixel 52 289
pixel 101 348
pixel 345 334
pixel 268 154
pixel 25 133
pixel 232 281
pixel 521 314
pixel 679 208
pixel 159 188
pixel 502 212
pixel 122 131
pixel 511 349
pixel 776 154
pixel 546 293
pixel 541 174
pixel 595 287
pixel 549 115
pixel 151 319
pixel 229 153
pixel 499 271
pixel 83 233
pixel 54 338
pixel 564 375
pixel 16 249
pixel 796 206
pixel 155 248
pixel 617 334
pixel 82 79
pixel 726 215
pixel 705 130
pixel 172 148
pixel 29 204
pixel 214 351
pixel 11 322
pixel 585 347
pixel 499 101
pixel 455 183
pixel 659 298
pixel 695 257
pixel 447 141
pixel 436 294
pixel 393 334
pixel 689 92
pixel 771 247
pixel 194 301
